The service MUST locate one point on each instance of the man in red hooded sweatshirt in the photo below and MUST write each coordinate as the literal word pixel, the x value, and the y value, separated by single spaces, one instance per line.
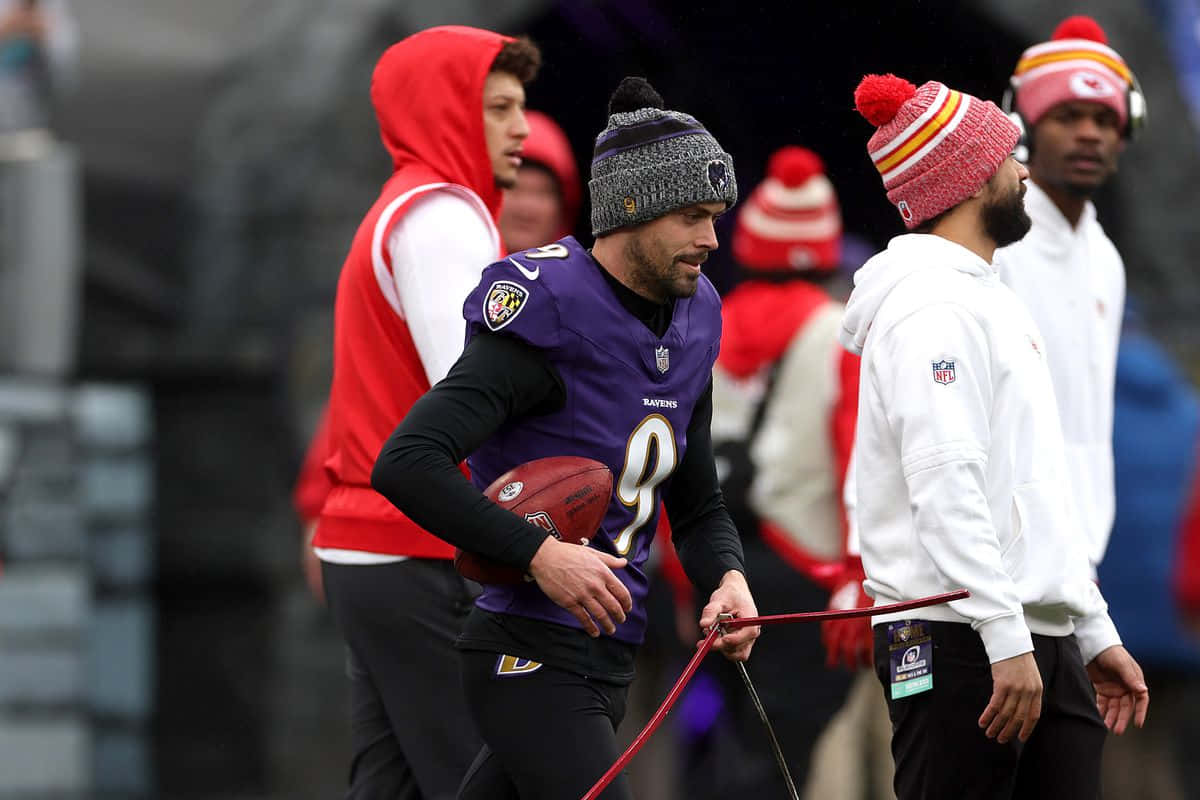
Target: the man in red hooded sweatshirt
pixel 540 206
pixel 450 103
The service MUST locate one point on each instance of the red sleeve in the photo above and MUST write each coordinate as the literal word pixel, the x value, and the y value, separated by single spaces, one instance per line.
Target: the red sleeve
pixel 313 483
pixel 670 567
pixel 1187 564
pixel 845 417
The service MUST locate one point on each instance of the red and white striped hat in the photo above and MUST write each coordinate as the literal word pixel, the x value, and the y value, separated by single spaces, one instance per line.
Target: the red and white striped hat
pixel 791 221
pixel 1076 64
pixel 935 146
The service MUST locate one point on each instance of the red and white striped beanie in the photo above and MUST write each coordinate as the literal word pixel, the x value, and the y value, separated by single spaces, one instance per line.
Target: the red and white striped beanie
pixel 1076 64
pixel 935 146
pixel 791 221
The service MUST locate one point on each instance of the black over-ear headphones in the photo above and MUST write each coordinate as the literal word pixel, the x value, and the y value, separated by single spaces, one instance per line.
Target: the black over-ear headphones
pixel 1135 111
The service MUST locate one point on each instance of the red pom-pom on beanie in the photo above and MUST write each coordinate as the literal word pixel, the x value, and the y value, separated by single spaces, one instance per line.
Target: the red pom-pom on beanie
pixel 879 97
pixel 794 165
pixel 1080 27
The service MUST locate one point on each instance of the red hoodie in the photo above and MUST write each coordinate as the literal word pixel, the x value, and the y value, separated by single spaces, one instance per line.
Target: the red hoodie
pixel 428 96
pixel 1187 562
pixel 548 145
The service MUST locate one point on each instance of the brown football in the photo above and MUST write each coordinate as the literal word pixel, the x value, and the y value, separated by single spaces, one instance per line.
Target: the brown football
pixel 566 495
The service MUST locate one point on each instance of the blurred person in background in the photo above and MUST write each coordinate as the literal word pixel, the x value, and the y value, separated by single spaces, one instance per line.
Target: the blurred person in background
pixel 785 396
pixel 1079 104
pixel 1186 576
pixel 450 104
pixel 1155 437
pixel 961 479
pixel 1073 95
pixel 308 498
pixel 543 204
pixel 1185 587
pixel 39 50
pixel 853 755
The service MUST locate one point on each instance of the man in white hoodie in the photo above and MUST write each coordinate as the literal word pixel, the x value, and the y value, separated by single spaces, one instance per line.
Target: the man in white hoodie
pixel 961 479
pixel 1077 98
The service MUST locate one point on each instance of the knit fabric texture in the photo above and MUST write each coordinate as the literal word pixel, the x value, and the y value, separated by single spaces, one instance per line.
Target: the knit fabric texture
pixel 940 148
pixel 1063 70
pixel 650 162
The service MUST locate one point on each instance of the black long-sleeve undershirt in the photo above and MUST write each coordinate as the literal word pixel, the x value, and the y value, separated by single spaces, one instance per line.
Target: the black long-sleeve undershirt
pixel 496 379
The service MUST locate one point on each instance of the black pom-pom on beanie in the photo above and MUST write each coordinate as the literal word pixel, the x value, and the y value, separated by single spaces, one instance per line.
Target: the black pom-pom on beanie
pixel 633 93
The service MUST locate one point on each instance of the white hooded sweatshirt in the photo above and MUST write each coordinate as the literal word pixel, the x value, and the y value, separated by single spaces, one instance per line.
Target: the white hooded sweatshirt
pixel 1072 280
pixel 960 473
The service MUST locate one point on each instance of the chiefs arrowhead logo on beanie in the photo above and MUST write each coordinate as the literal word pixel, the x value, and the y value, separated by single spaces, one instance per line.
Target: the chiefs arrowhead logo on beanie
pixel 1076 64
pixel 934 146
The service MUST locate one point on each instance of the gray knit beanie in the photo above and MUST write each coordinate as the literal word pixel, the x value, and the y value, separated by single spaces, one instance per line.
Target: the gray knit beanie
pixel 649 162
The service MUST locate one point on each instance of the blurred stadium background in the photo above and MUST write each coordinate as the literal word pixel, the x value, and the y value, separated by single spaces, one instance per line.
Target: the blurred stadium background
pixel 167 267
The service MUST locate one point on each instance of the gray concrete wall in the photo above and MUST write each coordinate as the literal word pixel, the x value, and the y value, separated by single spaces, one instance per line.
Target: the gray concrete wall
pixel 76 621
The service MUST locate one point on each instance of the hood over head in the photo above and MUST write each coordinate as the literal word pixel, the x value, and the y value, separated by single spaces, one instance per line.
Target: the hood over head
pixel 548 146
pixel 427 91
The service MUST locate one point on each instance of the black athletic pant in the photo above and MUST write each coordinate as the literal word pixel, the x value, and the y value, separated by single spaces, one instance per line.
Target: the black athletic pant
pixel 941 752
pixel 411 735
pixel 549 733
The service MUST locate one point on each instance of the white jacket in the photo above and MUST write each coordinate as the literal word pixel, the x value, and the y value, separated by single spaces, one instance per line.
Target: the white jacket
pixel 1072 281
pixel 797 484
pixel 960 475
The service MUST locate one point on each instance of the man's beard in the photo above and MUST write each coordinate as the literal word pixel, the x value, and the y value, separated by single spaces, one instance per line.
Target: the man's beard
pixel 1006 221
pixel 657 282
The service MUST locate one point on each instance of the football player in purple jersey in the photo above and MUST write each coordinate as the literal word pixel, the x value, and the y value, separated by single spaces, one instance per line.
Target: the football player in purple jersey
pixel 605 354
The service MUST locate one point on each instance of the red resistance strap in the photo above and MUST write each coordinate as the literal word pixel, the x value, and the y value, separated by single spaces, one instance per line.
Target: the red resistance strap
pixel 745 622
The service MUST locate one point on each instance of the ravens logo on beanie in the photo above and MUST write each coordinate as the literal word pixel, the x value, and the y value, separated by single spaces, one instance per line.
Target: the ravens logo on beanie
pixel 649 161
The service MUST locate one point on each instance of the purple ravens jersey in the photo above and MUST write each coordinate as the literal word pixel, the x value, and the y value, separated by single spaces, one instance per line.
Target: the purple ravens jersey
pixel 629 399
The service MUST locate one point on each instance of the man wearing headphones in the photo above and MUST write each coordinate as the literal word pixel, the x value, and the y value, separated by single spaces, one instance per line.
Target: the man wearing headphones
pixel 1078 103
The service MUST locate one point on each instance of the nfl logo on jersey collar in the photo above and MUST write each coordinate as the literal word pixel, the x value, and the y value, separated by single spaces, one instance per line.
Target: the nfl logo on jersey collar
pixel 943 372
pixel 662 358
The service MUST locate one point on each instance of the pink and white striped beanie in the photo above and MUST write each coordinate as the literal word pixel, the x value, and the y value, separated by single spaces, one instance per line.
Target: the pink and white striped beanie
pixel 934 146
pixel 1076 64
